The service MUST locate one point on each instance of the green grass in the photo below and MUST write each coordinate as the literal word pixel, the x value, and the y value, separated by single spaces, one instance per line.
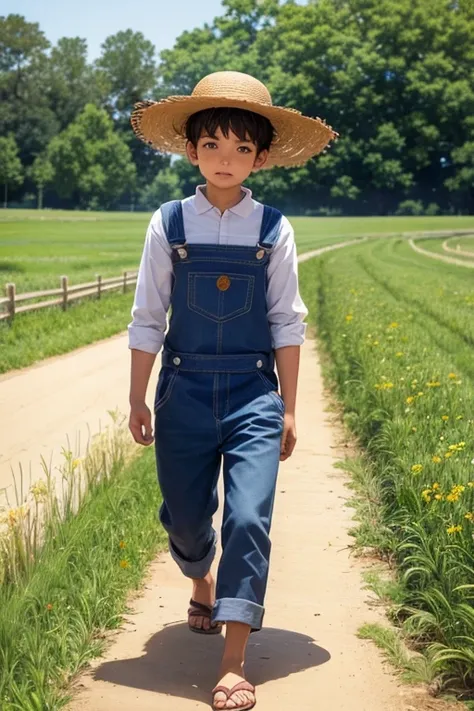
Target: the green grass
pixel 436 246
pixel 52 621
pixel 49 332
pixel 38 247
pixel 398 330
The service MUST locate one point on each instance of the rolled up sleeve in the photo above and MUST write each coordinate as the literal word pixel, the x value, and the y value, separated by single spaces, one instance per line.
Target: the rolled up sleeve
pixel 146 332
pixel 286 310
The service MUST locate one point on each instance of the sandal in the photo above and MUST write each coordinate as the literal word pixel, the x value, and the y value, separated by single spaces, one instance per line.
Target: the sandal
pixel 197 609
pixel 241 686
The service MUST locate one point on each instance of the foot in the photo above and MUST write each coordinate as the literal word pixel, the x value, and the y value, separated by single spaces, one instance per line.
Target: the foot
pixel 203 592
pixel 239 700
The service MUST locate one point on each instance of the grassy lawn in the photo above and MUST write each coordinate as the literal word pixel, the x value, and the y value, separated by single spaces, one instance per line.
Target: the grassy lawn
pixel 38 247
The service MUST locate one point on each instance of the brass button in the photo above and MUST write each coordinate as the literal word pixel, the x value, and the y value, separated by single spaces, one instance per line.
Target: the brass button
pixel 223 283
pixel 182 253
pixel 260 254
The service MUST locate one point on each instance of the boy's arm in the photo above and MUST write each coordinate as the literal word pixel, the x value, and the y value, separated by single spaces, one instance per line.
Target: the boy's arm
pixel 286 314
pixel 147 329
pixel 288 361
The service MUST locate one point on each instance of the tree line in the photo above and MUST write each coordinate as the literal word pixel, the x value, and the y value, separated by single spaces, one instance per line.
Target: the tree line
pixel 394 77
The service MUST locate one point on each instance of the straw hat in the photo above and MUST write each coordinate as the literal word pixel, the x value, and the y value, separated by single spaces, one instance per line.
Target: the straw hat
pixel 161 124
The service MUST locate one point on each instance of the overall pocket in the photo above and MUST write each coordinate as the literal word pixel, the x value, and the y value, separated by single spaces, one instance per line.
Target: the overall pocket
pixel 220 297
pixel 271 389
pixel 164 388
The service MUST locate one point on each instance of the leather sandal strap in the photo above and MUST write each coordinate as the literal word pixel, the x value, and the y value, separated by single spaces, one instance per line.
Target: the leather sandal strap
pixel 204 610
pixel 240 686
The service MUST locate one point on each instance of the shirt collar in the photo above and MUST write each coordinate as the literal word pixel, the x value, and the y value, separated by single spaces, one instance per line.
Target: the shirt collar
pixel 244 208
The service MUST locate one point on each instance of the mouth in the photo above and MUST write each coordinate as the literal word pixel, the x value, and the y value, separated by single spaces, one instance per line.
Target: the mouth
pixel 225 175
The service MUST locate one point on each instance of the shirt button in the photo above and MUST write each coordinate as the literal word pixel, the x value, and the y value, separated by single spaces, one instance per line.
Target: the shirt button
pixel 259 363
pixel 176 360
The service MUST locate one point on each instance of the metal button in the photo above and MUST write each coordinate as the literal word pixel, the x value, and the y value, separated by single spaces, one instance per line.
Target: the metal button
pixel 223 283
pixel 260 254
pixel 259 363
pixel 182 253
pixel 176 360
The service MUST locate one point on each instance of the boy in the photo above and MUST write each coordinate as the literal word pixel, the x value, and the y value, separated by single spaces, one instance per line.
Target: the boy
pixel 227 267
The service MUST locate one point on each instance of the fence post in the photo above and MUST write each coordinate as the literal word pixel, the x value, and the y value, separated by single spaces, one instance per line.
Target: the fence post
pixel 124 282
pixel 99 285
pixel 64 281
pixel 11 293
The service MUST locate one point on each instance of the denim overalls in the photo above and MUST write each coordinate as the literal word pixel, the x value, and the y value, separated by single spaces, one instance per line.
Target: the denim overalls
pixel 217 399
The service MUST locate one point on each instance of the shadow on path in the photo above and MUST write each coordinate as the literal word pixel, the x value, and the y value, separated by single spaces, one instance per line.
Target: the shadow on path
pixel 182 664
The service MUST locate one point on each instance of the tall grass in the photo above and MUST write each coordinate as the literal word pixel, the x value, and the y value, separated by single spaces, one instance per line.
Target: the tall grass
pixel 68 558
pixel 399 335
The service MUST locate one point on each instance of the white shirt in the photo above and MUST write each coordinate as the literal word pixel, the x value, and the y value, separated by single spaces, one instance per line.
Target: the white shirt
pixel 204 224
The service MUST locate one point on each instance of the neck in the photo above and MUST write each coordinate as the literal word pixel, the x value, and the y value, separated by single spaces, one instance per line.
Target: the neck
pixel 225 198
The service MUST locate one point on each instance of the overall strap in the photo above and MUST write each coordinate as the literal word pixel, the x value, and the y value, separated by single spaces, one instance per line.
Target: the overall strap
pixel 173 225
pixel 270 230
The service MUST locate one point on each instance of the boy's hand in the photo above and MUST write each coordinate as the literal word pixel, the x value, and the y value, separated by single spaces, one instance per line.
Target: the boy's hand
pixel 288 438
pixel 140 423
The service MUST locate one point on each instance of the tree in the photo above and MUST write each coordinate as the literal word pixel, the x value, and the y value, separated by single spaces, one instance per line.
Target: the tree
pixel 165 187
pixel 11 171
pixel 42 173
pixel 129 66
pixel 92 164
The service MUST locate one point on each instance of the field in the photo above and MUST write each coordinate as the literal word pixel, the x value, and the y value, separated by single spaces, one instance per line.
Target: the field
pixel 397 329
pixel 37 247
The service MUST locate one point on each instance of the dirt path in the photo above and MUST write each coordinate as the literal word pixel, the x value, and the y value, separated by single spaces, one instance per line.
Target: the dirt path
pixel 58 403
pixel 308 655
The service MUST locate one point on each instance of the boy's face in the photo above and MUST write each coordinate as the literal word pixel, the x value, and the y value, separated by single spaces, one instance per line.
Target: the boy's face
pixel 225 162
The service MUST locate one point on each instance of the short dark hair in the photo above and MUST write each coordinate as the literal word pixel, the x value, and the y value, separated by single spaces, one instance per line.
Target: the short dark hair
pixel 247 125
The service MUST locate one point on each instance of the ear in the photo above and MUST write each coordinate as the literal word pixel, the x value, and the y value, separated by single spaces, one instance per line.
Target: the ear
pixel 260 161
pixel 191 152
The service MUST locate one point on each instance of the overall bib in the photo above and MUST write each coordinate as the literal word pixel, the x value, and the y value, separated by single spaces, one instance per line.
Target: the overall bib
pixel 216 400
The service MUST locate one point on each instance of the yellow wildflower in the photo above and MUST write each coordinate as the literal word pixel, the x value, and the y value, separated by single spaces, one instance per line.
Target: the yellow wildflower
pixel 448 455
pixel 470 516
pixel 459 417
pixel 413 429
pixel 426 495
pixel 452 376
pixel 436 486
pixel 39 490
pixel 394 324
pixel 124 564
pixel 375 343
pixel 417 468
pixel 122 544
pixel 410 399
pixel 439 497
pixel 420 394
pixel 433 384
pixel 435 459
pixel 445 418
pixel 349 317
pixel 399 354
pixel 454 529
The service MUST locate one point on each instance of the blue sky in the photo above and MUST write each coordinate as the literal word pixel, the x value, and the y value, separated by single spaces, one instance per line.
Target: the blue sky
pixel 94 20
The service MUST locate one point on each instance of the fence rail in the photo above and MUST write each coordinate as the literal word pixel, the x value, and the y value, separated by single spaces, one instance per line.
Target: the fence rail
pixel 67 293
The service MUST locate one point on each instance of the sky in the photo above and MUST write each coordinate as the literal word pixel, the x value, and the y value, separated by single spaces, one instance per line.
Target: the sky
pixel 161 21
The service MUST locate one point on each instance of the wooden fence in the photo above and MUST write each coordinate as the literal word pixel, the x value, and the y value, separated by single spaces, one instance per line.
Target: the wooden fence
pixel 66 293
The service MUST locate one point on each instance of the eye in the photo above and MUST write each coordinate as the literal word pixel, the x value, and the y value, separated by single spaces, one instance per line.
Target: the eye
pixel 244 149
pixel 210 144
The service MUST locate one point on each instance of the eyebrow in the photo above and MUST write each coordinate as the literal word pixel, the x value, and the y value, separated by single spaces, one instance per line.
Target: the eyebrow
pixel 237 140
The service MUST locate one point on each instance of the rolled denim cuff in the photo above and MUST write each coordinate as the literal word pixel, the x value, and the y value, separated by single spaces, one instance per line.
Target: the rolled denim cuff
pixel 195 568
pixel 234 609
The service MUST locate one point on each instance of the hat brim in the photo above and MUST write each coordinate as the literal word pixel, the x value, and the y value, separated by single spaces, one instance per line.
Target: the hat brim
pixel 161 125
